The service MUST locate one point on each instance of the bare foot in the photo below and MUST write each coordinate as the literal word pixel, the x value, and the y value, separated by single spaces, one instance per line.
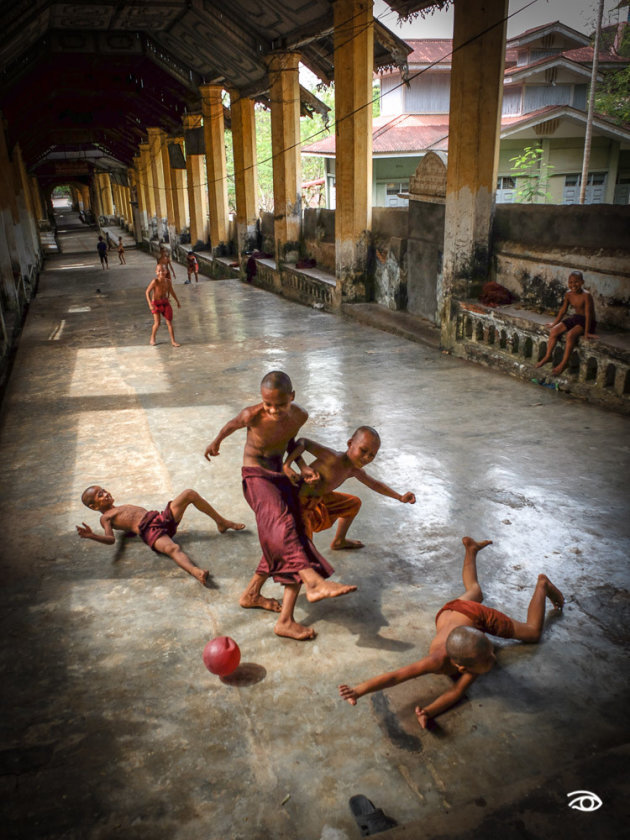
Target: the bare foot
pixel 202 576
pixel 327 589
pixel 249 602
pixel 153 343
pixel 553 593
pixel 423 718
pixel 559 368
pixel 468 542
pixel 346 545
pixel 226 524
pixel 293 630
pixel 175 344
pixel 541 363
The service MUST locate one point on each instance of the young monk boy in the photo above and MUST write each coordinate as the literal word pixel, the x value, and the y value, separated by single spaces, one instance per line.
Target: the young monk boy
pixel 288 555
pixel 155 529
pixel 121 251
pixel 460 645
pixel 165 260
pixel 321 507
pixel 583 322
pixel 158 293
pixel 192 267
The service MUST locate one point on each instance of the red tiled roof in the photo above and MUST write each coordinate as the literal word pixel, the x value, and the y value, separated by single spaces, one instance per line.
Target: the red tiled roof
pixel 584 55
pixel 542 27
pixel 408 133
pixel 429 50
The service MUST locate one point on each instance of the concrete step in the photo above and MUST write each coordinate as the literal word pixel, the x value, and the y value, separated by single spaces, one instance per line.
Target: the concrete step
pixel 402 324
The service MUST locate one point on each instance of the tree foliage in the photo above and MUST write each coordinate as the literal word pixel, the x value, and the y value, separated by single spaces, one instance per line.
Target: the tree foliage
pixel 612 94
pixel 531 175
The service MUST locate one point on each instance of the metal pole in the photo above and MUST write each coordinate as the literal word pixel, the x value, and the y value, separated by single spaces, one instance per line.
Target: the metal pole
pixel 591 105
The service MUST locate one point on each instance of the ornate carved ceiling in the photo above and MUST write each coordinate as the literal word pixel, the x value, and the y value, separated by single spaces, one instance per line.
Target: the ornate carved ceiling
pixel 96 73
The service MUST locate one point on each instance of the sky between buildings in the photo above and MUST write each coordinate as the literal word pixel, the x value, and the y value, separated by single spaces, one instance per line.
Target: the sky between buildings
pixel 524 14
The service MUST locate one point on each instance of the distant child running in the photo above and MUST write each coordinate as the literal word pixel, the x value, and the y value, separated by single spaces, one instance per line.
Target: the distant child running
pixel 192 267
pixel 101 248
pixel 288 554
pixel 321 507
pixel 121 251
pixel 460 647
pixel 154 528
pixel 158 293
pixel 583 322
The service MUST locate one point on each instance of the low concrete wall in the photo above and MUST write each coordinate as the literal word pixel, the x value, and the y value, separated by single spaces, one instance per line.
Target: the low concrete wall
pixel 536 247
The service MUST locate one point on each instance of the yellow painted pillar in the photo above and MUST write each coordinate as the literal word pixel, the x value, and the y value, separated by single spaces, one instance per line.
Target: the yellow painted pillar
pixel 244 145
pixel 156 137
pixel 285 139
pixel 85 194
pixel 196 186
pixel 106 194
pixel 168 188
pixel 36 197
pixel 473 149
pixel 354 63
pixel 10 256
pixel 138 215
pixel 179 192
pixel 129 208
pixel 146 180
pixel 30 228
pixel 216 168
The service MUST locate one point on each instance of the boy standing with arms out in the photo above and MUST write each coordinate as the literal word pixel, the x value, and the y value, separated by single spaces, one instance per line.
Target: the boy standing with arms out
pixel 288 555
pixel 154 528
pixel 161 288
pixel 583 322
pixel 320 505
pixel 460 645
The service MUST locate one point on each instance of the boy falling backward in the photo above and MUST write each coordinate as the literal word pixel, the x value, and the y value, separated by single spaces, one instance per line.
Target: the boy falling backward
pixel 460 645
pixel 154 528
pixel 320 505
pixel 288 555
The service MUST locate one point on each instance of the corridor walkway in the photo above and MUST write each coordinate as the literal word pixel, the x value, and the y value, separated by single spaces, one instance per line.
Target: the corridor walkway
pixel 111 725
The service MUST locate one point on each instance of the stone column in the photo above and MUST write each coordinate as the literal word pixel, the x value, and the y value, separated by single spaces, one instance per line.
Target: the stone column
pixel 85 195
pixel 473 150
pixel 354 60
pixel 156 138
pixel 145 176
pixel 36 197
pixel 106 194
pixel 285 139
pixel 179 192
pixel 138 216
pixel 30 229
pixel 196 185
pixel 244 143
pixel 10 260
pixel 216 168
pixel 169 204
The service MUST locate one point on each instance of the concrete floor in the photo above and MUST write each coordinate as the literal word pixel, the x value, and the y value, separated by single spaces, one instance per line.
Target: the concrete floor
pixel 112 727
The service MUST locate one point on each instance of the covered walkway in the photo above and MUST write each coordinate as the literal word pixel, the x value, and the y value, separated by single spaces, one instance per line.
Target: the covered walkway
pixel 112 727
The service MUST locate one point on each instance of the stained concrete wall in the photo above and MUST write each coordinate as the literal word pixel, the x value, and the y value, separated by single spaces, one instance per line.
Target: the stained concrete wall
pixel 537 246
pixel 318 237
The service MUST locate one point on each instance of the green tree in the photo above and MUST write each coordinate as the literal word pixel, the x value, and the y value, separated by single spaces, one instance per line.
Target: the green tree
pixel 531 175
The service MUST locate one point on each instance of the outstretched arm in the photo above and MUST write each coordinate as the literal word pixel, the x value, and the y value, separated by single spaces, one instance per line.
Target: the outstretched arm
pixel 86 533
pixel 295 456
pixel 445 701
pixel 239 422
pixel 171 291
pixel 383 489
pixel 172 270
pixel 428 665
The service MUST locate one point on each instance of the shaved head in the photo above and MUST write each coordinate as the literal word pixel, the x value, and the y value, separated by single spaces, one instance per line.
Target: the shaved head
pixel 368 430
pixel 87 497
pixel 467 646
pixel 277 380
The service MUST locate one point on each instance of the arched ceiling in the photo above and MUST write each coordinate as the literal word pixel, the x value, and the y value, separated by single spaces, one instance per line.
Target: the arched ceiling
pixel 81 81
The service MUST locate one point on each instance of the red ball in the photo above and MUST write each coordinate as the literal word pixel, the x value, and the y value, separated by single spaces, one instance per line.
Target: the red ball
pixel 221 656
